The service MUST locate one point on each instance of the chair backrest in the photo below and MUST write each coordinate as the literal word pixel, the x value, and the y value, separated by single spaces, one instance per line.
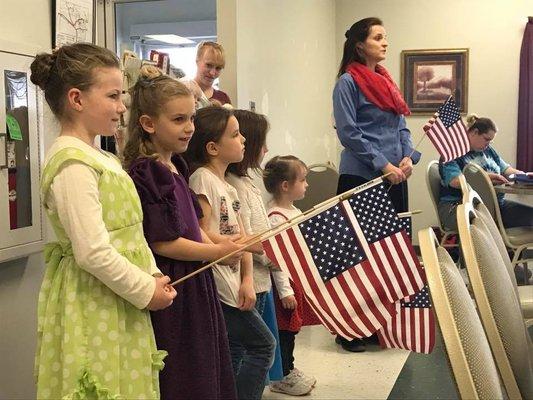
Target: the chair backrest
pixel 484 216
pixel 471 196
pixel 479 180
pixel 466 190
pixel 433 184
pixel 467 347
pixel 500 312
pixel 322 180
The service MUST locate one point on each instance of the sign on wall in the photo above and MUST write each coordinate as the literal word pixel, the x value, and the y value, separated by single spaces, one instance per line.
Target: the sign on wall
pixel 73 22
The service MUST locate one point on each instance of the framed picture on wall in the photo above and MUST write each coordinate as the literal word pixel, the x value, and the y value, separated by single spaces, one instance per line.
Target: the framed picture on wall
pixel 74 21
pixel 429 77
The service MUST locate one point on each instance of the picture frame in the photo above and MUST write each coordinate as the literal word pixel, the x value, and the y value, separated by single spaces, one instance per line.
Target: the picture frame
pixel 73 21
pixel 429 77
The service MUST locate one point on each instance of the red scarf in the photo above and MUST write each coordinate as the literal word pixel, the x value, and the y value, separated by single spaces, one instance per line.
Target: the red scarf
pixel 379 88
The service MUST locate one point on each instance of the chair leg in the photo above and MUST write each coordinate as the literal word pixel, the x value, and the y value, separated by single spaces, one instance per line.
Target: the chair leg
pixel 517 261
pixel 517 253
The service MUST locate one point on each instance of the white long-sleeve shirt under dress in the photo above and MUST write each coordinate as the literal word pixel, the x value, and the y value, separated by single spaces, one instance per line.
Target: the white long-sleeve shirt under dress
pixel 75 195
pixel 255 221
pixel 94 334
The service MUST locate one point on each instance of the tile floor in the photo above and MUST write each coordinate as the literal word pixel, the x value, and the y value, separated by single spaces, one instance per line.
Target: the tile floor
pixel 344 375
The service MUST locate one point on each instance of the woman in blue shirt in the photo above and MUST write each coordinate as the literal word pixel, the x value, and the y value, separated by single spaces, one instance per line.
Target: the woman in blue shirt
pixel 481 132
pixel 369 116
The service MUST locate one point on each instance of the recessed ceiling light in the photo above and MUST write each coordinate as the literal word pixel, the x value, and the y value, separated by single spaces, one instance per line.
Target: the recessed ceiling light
pixel 172 39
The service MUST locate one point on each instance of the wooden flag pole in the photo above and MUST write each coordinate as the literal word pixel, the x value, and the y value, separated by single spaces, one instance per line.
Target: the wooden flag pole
pixel 256 239
pixel 418 144
pixel 280 228
pixel 333 199
pixel 409 213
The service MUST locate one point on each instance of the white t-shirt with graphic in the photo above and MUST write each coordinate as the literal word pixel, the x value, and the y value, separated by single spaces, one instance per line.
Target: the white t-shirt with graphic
pixel 225 206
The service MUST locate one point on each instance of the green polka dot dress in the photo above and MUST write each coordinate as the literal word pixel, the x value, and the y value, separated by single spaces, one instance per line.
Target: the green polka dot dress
pixel 92 343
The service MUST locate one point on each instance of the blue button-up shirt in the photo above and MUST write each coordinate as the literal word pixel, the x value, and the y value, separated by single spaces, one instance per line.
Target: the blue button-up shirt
pixel 371 137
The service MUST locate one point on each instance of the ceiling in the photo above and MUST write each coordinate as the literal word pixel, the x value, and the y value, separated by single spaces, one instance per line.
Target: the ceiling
pixel 136 14
pixel 146 12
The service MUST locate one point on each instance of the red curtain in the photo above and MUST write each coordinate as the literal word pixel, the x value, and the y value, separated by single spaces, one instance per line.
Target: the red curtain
pixel 524 152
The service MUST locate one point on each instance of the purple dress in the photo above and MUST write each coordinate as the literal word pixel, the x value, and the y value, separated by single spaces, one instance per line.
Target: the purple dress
pixel 192 329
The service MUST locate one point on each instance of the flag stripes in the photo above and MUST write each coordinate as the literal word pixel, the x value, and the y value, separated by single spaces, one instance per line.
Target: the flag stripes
pixel 447 132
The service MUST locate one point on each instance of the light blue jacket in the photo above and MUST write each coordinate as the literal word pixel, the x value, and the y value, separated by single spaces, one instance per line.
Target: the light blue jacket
pixel 371 137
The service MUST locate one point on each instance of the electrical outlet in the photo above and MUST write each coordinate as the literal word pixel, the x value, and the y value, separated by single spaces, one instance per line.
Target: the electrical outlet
pixel 252 106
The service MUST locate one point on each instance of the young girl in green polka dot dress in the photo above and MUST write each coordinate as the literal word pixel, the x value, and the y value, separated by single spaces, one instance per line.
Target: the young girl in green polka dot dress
pixel 95 338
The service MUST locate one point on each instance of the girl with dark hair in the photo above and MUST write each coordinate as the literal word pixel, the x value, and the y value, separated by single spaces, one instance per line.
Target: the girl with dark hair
pixel 217 143
pixel 369 116
pixel 254 128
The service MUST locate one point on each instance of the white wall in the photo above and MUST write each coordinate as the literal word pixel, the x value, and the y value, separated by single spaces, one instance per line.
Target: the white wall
pixel 26 26
pixel 282 56
pixel 492 30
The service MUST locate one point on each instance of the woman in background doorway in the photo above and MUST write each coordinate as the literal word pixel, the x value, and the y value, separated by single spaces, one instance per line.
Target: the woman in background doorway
pixel 210 62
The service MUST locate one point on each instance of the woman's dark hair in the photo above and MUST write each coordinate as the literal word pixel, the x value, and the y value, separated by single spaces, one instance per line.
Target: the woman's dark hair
pixel 357 33
pixel 70 66
pixel 254 128
pixel 280 169
pixel 482 124
pixel 210 123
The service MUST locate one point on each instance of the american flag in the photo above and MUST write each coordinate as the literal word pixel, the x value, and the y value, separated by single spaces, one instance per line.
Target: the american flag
pixel 447 132
pixel 353 261
pixel 413 327
pixel 406 224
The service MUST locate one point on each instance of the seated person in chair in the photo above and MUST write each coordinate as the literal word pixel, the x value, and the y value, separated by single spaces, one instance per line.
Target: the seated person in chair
pixel 481 131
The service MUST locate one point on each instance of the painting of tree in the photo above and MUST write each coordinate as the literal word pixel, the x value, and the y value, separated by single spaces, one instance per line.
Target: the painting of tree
pixel 430 77
pixel 425 74
pixel 434 82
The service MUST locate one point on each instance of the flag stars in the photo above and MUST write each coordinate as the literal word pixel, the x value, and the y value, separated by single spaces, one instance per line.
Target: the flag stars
pixel 332 243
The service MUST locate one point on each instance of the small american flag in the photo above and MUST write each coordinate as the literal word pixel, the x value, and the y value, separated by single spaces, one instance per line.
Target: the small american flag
pixel 352 260
pixel 406 224
pixel 447 132
pixel 413 327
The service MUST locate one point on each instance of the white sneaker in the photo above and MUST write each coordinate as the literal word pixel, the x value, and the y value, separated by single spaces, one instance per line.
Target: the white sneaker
pixel 310 380
pixel 292 384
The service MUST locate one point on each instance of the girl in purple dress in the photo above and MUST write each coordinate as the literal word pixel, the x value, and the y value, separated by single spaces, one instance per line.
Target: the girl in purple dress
pixel 192 329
